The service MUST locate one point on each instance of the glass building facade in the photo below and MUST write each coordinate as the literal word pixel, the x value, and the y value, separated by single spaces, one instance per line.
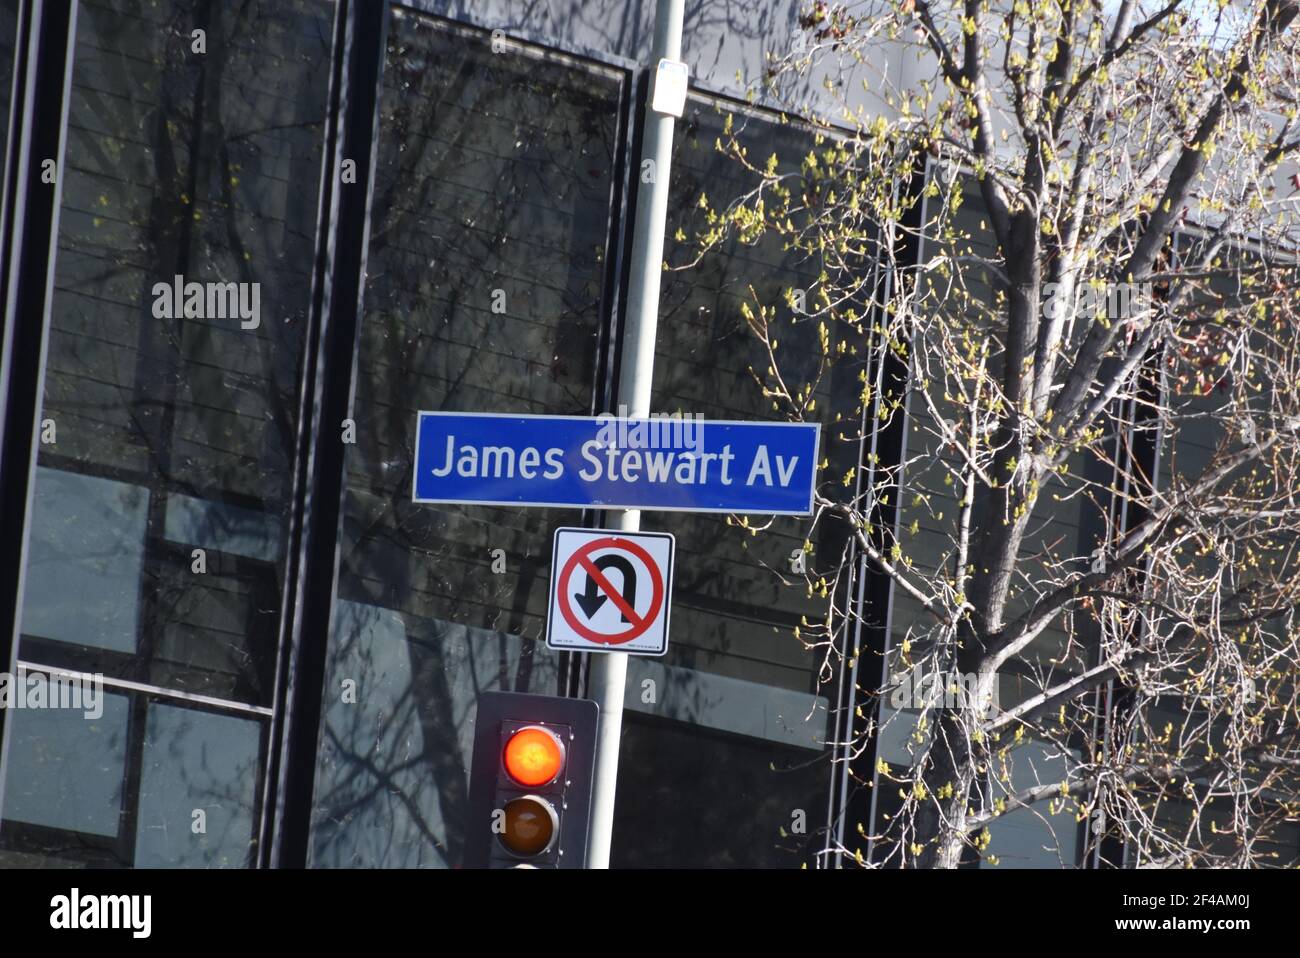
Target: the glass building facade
pixel 433 201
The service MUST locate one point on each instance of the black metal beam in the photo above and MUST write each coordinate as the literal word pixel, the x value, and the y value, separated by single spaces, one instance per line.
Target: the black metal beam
pixel 329 374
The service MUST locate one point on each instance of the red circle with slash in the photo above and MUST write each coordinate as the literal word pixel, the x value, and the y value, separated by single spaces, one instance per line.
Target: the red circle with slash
pixel 583 558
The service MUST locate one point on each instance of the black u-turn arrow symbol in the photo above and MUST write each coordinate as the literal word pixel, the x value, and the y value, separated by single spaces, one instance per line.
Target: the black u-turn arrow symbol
pixel 593 598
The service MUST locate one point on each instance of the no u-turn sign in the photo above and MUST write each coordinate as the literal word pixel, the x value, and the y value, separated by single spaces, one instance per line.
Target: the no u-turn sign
pixel 610 591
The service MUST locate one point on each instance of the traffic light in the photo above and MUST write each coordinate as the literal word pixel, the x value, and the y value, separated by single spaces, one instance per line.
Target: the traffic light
pixel 530 781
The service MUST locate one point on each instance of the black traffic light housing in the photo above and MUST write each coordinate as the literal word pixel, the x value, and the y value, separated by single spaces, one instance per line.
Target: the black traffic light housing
pixel 497 802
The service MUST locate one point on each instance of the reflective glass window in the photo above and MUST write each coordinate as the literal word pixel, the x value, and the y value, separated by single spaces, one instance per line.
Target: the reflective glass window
pixel 156 538
pixel 490 231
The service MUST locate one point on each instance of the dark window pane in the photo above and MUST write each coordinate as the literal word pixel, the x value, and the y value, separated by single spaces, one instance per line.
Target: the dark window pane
pixel 484 279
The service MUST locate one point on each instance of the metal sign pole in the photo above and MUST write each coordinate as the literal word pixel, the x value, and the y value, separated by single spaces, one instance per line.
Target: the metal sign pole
pixel 609 670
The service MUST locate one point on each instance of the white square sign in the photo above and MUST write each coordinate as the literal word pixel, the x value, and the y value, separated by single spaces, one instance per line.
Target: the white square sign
pixel 610 591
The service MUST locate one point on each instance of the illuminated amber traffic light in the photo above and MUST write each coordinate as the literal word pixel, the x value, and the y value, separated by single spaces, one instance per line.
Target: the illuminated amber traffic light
pixel 534 756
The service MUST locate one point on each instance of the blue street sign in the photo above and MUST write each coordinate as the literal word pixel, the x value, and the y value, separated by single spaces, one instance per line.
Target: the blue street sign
pixel 665 463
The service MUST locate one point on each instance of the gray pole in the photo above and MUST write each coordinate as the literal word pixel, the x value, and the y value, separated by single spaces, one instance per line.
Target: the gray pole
pixel 609 669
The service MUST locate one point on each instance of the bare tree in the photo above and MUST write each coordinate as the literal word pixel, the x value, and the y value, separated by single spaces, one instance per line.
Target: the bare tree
pixel 1091 532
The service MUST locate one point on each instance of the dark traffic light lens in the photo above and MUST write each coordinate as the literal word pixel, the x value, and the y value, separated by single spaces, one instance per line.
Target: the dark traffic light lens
pixel 534 756
pixel 530 826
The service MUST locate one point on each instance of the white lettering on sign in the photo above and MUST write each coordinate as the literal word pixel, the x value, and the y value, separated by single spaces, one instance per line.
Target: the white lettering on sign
pixel 625 465
pixel 499 462
pixel 763 467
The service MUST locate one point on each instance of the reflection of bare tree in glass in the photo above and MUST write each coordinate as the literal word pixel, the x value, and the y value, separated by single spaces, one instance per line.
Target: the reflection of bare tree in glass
pixel 736 583
pixel 493 172
pixel 180 163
